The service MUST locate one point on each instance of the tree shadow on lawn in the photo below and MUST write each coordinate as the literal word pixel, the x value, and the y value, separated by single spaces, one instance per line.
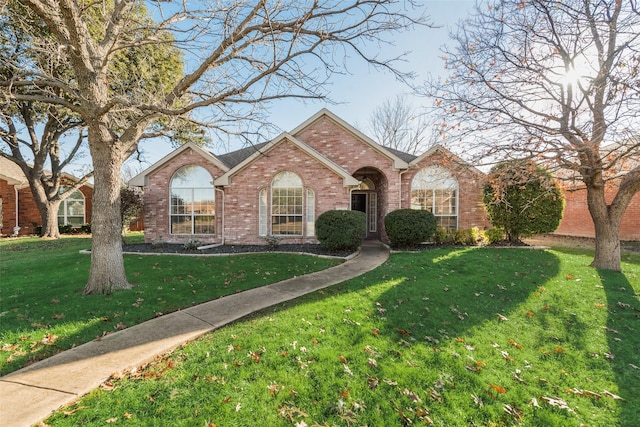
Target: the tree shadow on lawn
pixel 454 308
pixel 623 336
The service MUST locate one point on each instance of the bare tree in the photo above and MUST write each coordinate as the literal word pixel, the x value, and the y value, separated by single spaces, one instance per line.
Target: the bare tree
pixel 238 55
pixel 44 139
pixel 553 81
pixel 397 124
pixel 40 158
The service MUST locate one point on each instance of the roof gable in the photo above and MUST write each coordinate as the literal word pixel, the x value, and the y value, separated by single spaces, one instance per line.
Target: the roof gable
pixel 398 162
pixel 439 148
pixel 11 172
pixel 139 180
pixel 225 180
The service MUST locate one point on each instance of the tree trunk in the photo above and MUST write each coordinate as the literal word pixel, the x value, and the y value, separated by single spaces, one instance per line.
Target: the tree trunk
pixel 607 227
pixel 48 209
pixel 107 272
pixel 49 215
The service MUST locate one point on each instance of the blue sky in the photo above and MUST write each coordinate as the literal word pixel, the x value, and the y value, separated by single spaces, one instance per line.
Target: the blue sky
pixel 359 93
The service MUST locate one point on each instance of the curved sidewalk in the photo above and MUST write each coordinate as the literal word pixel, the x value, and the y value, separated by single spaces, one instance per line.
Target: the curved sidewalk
pixel 31 394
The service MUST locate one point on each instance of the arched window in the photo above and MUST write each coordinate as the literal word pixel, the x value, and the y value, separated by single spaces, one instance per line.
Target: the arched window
pixel 286 204
pixel 71 210
pixel 436 190
pixel 193 208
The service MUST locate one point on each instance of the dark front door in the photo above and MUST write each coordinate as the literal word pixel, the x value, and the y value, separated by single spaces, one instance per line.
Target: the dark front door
pixel 368 204
pixel 359 202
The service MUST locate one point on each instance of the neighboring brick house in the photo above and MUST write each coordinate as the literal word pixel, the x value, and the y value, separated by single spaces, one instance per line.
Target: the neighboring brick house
pixel 280 187
pixel 18 210
pixel 576 220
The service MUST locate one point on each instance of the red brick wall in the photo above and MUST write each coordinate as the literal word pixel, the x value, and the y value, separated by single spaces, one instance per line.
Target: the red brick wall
pixel 471 212
pixel 241 198
pixel 8 195
pixel 352 154
pixel 28 213
pixel 157 199
pixel 577 221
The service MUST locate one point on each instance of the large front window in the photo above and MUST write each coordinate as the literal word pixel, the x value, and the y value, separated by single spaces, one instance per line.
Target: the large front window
pixel 434 189
pixel 193 206
pixel 286 204
pixel 71 210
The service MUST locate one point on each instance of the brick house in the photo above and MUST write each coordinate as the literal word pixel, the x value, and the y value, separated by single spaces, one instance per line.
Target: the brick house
pixel 18 210
pixel 280 187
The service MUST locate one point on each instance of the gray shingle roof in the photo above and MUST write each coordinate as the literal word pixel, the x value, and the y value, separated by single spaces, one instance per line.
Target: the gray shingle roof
pixel 236 157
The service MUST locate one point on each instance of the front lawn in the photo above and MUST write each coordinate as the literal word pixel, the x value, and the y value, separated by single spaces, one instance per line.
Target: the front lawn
pixel 43 311
pixel 450 337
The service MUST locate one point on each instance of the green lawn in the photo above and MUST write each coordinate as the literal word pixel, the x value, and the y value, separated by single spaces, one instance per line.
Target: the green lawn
pixel 450 337
pixel 43 311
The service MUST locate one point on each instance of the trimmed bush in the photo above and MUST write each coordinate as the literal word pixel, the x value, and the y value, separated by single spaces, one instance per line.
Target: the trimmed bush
pixel 341 230
pixel 406 228
pixel 66 229
pixel 441 236
pixel 522 198
pixel 494 235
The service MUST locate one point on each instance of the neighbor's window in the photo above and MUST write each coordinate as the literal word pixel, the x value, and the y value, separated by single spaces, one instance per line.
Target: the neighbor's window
pixel 286 204
pixel 71 210
pixel 193 208
pixel 434 189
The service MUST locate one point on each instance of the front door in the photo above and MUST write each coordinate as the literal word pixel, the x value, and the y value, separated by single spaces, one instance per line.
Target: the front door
pixel 368 204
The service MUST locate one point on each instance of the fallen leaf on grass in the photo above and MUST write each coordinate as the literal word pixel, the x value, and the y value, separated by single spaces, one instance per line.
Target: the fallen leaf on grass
pixel 611 395
pixel 73 411
pixel 556 401
pixel 498 388
pixel 502 317
pixel 414 397
pixel 514 344
pixel 514 411
pixel 584 393
pixel 477 400
pixel 58 316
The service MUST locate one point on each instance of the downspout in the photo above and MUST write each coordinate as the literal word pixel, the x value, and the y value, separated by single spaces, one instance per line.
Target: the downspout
pixel 222 233
pixel 17 227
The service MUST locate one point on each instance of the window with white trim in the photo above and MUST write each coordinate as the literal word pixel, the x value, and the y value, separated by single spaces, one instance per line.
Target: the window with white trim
pixel 286 205
pixel 262 212
pixel 72 209
pixel 436 190
pixel 193 208
pixel 311 212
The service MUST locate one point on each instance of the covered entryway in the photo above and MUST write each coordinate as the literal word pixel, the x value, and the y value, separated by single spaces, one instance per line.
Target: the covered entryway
pixel 367 198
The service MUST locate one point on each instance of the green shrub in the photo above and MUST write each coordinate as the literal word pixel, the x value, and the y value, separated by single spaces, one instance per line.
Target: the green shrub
pixel 341 230
pixel 494 235
pixel 523 199
pixel 407 228
pixel 441 236
pixel 66 229
pixel 86 228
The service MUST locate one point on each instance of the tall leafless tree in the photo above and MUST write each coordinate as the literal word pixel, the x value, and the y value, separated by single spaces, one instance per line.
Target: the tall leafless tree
pixel 557 82
pixel 238 55
pixel 398 125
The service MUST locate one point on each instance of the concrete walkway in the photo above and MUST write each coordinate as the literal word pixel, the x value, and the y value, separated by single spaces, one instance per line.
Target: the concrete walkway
pixel 31 394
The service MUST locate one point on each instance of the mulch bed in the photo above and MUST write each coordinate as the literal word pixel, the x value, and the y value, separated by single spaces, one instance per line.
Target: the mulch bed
pixel 174 248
